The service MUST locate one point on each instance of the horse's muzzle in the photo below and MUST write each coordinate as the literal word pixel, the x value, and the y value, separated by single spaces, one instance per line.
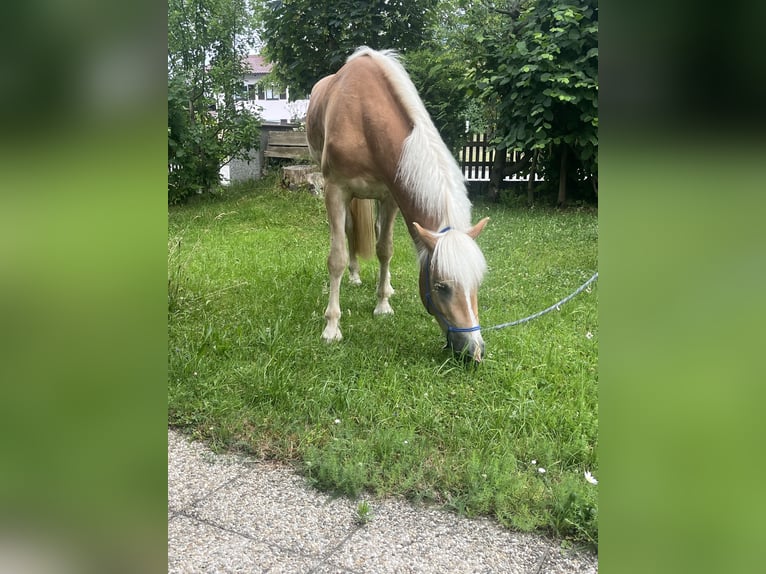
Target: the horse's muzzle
pixel 467 346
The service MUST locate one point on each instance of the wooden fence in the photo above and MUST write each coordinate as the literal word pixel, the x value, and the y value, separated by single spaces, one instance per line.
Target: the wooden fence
pixel 477 156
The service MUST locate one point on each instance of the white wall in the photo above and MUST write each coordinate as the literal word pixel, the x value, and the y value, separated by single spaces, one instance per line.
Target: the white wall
pixel 278 110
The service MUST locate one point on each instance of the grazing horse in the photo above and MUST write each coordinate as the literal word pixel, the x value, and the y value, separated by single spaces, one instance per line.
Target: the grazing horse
pixel 374 140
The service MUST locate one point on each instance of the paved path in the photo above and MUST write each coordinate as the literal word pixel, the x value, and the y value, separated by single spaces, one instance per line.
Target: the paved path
pixel 230 513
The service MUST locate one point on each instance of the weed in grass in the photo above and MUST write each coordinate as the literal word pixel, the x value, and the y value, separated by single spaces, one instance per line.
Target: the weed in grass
pixel 574 512
pixel 363 513
pixel 247 366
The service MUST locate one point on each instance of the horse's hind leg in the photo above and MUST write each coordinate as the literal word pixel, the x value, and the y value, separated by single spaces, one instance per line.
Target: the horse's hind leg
pixel 385 250
pixel 336 261
pixel 353 261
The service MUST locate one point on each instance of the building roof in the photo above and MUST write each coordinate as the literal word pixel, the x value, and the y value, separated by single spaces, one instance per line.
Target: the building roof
pixel 258 65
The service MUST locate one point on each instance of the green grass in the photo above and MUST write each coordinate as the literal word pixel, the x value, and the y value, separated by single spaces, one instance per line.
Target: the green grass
pixel 388 411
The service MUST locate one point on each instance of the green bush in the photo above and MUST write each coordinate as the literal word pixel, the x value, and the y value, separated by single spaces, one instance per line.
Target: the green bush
pixel 207 126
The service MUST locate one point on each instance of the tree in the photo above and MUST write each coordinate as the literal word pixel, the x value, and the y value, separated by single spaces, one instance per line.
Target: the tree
pixel 441 72
pixel 309 39
pixel 440 78
pixel 207 45
pixel 539 66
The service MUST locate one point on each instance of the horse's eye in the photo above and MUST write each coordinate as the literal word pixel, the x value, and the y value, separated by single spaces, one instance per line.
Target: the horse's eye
pixel 443 289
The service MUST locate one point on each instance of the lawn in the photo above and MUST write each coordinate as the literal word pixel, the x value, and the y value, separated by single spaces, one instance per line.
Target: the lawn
pixel 388 411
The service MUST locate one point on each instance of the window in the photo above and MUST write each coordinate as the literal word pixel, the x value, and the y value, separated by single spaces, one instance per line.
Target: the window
pixel 268 92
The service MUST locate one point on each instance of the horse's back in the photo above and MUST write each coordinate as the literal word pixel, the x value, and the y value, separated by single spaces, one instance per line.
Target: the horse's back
pixel 355 124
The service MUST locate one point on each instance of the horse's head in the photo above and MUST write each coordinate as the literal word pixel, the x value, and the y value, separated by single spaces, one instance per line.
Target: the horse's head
pixel 451 270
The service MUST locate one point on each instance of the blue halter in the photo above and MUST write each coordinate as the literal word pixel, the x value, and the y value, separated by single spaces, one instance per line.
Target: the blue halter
pixel 430 303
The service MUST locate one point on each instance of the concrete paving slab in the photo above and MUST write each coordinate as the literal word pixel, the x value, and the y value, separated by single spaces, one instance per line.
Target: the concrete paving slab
pixel 195 546
pixel 276 506
pixel 404 538
pixel 230 513
pixel 194 471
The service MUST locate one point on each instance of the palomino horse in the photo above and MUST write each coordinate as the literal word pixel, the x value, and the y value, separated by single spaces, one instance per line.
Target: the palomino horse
pixel 374 140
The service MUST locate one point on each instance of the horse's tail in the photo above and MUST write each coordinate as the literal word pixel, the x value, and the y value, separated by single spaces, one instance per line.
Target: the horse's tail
pixel 363 216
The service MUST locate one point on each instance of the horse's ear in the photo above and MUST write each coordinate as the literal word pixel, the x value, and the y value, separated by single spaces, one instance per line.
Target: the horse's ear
pixel 473 233
pixel 428 238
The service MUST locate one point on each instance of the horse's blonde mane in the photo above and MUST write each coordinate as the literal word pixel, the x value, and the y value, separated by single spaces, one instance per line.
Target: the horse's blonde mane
pixel 426 168
pixel 457 257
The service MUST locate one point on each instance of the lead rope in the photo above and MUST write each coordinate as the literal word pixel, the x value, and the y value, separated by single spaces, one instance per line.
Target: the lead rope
pixel 453 329
pixel 548 310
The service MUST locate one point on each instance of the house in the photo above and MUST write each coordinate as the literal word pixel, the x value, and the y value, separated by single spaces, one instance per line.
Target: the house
pixel 269 100
pixel 272 103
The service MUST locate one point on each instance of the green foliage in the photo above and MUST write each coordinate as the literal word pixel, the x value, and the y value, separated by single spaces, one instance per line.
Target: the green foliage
pixel 537 64
pixel 193 162
pixel 206 127
pixel 574 513
pixel 309 39
pixel 387 411
pixel 440 77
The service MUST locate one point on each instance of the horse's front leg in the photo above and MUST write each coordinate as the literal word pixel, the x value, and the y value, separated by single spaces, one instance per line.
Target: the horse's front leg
pixel 336 261
pixel 385 250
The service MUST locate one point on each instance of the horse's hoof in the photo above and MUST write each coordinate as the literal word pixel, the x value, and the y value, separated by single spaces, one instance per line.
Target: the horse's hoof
pixel 332 335
pixel 383 309
pixel 354 278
